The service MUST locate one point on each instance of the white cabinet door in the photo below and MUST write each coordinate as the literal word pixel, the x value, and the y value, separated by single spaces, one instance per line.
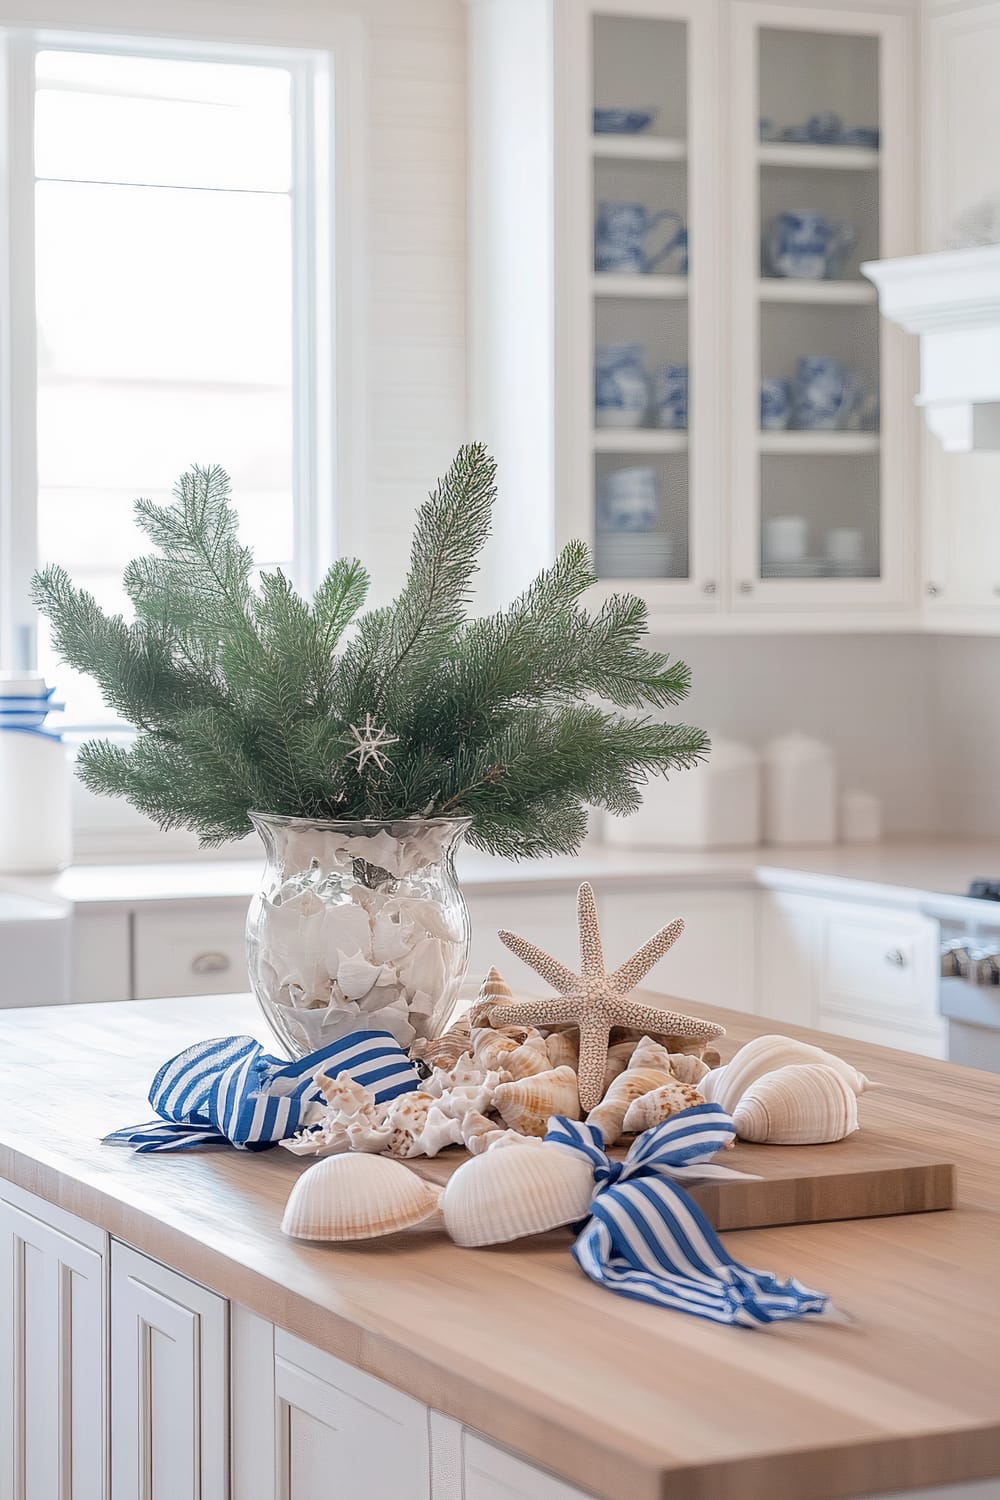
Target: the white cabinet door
pixel 489 1473
pixel 169 1389
pixel 102 956
pixel 713 959
pixel 52 1361
pixel 305 1424
pixel 191 952
pixel 547 918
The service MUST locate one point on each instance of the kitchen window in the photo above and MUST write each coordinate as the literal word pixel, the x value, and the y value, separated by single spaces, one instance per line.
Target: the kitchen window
pixel 169 300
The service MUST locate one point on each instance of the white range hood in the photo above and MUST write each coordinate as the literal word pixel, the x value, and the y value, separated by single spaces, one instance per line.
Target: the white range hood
pixel 952 300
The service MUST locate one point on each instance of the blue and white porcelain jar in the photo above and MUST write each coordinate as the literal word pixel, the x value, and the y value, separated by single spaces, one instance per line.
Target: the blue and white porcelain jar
pixel 826 393
pixel 621 390
pixel 670 395
pixel 34 778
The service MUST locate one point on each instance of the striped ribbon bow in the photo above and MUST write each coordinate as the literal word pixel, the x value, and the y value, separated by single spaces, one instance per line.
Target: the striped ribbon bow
pixel 230 1089
pixel 647 1239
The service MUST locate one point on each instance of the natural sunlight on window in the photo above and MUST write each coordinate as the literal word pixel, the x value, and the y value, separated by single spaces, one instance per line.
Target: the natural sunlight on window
pixel 163 253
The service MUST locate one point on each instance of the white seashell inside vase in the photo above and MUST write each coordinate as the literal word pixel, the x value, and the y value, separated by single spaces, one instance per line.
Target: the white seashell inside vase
pixel 801 1104
pixel 507 1194
pixel 357 1197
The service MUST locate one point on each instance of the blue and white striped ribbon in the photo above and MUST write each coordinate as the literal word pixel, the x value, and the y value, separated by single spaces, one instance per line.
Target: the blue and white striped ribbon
pixel 647 1239
pixel 230 1089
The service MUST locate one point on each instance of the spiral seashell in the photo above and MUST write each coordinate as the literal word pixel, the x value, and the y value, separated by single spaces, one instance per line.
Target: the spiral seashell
pixel 357 1198
pixel 494 990
pixel 526 1104
pixel 649 1054
pixel 764 1054
pixel 490 1049
pixel 445 1050
pixel 687 1069
pixel 801 1104
pixel 659 1104
pixel 507 1194
pixel 609 1115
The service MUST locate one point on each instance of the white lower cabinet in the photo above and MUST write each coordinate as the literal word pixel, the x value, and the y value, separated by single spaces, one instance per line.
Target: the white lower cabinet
pixel 52 1352
pixel 490 1473
pixel 864 971
pixel 169 1384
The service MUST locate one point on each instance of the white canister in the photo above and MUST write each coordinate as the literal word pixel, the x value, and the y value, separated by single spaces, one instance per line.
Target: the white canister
pixel 713 806
pixel 800 791
pixel 860 818
pixel 35 821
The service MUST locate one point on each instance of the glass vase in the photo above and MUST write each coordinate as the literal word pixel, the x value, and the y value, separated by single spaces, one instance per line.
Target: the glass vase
pixel 357 926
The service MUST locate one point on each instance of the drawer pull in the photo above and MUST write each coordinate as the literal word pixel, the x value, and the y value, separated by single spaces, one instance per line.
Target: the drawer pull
pixel 210 963
pixel 896 956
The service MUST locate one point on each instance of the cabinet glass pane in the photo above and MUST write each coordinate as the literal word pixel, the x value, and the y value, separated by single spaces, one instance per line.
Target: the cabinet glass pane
pixel 640 308
pixel 818 185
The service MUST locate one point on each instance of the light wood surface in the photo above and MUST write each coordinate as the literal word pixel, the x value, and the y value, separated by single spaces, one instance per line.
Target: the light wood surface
pixel 627 1401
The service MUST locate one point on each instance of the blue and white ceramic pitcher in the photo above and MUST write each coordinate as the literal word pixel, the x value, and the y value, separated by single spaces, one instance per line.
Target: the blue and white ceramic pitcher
pixel 620 240
pixel 807 246
pixel 621 390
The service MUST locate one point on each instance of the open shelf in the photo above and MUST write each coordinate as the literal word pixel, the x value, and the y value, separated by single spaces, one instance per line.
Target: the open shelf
pixel 807 155
pixel 819 442
pixel 787 289
pixel 605 284
pixel 639 440
pixel 638 147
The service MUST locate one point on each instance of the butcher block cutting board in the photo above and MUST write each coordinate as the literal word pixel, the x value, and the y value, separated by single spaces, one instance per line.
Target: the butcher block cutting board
pixel 865 1176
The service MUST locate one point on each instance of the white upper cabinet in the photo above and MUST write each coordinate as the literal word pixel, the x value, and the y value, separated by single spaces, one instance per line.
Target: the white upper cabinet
pixel 634 282
pixel 961 144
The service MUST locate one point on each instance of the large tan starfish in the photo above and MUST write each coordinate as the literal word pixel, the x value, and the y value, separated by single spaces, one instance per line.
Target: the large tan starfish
pixel 595 1000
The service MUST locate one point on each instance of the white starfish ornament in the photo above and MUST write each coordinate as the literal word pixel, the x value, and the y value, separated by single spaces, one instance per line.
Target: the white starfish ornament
pixel 596 1000
pixel 371 743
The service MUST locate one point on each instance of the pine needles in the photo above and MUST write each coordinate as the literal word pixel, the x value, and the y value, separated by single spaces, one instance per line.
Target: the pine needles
pixel 244 697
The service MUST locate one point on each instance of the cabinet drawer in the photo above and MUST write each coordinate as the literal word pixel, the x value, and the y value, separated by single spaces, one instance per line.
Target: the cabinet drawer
pixel 885 964
pixel 190 952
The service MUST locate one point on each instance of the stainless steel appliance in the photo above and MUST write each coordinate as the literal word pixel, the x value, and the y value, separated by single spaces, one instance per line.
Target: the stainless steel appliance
pixel 970 974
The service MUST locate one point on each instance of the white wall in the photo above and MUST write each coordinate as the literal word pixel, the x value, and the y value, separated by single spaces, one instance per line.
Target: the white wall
pixel 871 697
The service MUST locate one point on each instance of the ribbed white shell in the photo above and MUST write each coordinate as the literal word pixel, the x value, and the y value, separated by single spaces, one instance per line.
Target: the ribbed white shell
pixel 514 1191
pixel 357 1197
pixel 803 1104
pixel 764 1054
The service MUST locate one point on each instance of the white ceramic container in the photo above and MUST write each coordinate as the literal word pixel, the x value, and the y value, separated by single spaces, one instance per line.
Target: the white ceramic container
pixel 800 791
pixel 860 818
pixel 716 805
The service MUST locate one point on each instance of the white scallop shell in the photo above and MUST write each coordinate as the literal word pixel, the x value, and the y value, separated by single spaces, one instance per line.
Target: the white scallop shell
pixel 357 1198
pixel 802 1104
pixel 507 1194
pixel 764 1054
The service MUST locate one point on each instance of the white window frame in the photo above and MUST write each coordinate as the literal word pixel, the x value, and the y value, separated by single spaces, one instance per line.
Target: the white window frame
pixel 325 56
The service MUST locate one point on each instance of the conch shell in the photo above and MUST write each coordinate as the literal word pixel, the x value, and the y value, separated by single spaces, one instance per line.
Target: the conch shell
pixel 494 991
pixel 563 1048
pixel 357 1198
pixel 650 1054
pixel 526 1104
pixel 765 1054
pixel 530 1058
pixel 801 1104
pixel 491 1048
pixel 619 1057
pixel 444 1051
pixel 609 1115
pixel 504 1195
pixel 659 1104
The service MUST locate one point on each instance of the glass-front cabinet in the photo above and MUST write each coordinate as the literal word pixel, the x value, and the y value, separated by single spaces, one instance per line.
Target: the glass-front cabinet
pixel 679 330
pixel 822 485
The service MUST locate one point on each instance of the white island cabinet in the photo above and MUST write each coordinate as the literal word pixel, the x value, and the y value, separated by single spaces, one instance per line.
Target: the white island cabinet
pixel 160 1389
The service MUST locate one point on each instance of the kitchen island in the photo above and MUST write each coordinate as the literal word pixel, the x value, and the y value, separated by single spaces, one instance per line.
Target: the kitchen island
pixel 411 1365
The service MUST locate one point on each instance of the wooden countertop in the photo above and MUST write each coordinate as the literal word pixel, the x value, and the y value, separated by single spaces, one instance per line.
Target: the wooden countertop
pixel 626 1401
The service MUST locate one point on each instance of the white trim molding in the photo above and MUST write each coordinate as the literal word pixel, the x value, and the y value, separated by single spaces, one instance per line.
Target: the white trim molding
pixel 951 300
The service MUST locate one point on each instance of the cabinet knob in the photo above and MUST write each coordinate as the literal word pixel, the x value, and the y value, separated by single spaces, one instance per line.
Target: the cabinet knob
pixel 709 587
pixel 210 963
pixel 897 957
pixel 745 587
pixel 934 589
